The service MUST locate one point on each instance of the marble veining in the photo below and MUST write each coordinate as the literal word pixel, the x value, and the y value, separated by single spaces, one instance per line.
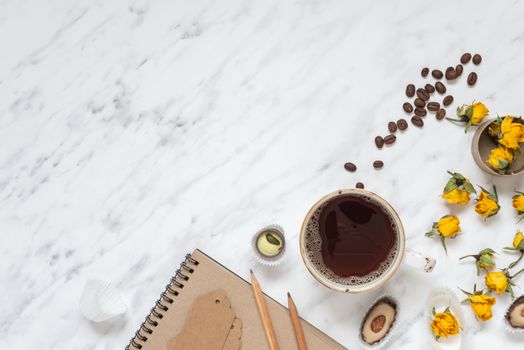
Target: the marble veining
pixel 132 132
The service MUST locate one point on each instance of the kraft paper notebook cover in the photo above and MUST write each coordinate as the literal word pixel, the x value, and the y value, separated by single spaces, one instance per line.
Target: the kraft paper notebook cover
pixel 201 277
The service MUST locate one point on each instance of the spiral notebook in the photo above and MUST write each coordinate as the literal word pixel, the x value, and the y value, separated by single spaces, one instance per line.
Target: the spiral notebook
pixel 200 275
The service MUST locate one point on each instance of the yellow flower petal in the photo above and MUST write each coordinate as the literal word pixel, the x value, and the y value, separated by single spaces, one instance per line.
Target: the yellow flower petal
pixel 445 324
pixel 518 202
pixel 517 239
pixel 497 281
pixel 449 226
pixel 481 305
pixel 456 196
pixel 478 113
pixel 499 158
pixel 486 206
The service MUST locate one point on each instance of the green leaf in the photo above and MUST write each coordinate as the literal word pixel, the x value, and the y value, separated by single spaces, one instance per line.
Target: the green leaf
pixel 429 234
pixel 487 251
pixel 446 310
pixel 469 112
pixel 459 176
pixel 433 311
pixel 450 186
pixel 443 241
pixel 469 187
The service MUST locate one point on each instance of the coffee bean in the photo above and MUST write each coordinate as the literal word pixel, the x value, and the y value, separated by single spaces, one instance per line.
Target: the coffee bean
pixel 379 141
pixel 402 124
pixel 377 164
pixel 441 114
pixel 417 121
pixel 392 126
pixel 441 88
pixel 419 102
pixel 429 88
pixel 450 73
pixel 447 100
pixel 422 94
pixel 459 69
pixel 410 90
pixel 472 78
pixel 388 140
pixel 360 185
pixel 437 74
pixel 421 112
pixel 477 59
pixel 408 108
pixel 433 106
pixel 465 58
pixel 350 167
pixel 424 72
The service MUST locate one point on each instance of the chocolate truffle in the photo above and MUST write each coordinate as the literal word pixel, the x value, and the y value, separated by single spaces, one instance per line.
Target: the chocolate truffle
pixel 515 314
pixel 378 321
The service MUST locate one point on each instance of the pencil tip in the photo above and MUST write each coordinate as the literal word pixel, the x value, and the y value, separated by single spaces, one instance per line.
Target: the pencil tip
pixel 288 295
pixel 250 271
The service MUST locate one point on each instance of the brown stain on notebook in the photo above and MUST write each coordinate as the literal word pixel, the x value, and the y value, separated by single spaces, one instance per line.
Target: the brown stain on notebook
pixel 211 325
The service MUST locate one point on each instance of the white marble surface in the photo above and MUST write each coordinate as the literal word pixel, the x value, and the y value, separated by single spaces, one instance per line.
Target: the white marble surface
pixel 132 132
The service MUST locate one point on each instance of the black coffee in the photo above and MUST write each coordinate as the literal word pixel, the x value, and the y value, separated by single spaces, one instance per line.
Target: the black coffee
pixel 356 236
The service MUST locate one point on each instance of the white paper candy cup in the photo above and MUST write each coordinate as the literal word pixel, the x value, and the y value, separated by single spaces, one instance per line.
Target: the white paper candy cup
pixel 440 298
pixel 100 301
pixel 507 326
pixel 387 337
pixel 269 261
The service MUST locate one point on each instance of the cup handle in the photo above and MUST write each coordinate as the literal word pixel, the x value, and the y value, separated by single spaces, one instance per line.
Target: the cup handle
pixel 419 261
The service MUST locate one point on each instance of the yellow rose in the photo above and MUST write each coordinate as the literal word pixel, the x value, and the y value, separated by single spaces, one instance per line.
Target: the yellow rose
pixel 497 281
pixel 518 202
pixel 517 239
pixel 512 133
pixel 499 158
pixel 444 324
pixel 478 113
pixel 481 305
pixel 456 196
pixel 486 206
pixel 448 226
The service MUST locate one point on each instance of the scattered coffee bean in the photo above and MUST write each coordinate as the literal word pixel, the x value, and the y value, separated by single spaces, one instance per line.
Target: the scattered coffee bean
pixel 360 185
pixel 422 94
pixel 477 59
pixel 459 69
pixel 437 74
pixel 419 102
pixel 465 58
pixel 421 112
pixel 408 108
pixel 350 167
pixel 410 90
pixel 441 88
pixel 379 141
pixel 377 164
pixel 441 114
pixel 424 72
pixel 392 126
pixel 417 121
pixel 433 106
pixel 402 124
pixel 472 78
pixel 450 73
pixel 447 100
pixel 388 140
pixel 429 88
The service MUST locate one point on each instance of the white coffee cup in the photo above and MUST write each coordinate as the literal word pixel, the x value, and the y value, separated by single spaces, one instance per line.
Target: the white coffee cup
pixel 310 231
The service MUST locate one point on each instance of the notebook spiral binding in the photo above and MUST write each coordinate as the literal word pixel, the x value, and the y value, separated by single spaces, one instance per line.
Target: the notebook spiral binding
pixel 163 303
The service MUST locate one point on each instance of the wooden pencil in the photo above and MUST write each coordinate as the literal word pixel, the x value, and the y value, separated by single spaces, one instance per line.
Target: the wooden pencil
pixel 297 326
pixel 264 314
